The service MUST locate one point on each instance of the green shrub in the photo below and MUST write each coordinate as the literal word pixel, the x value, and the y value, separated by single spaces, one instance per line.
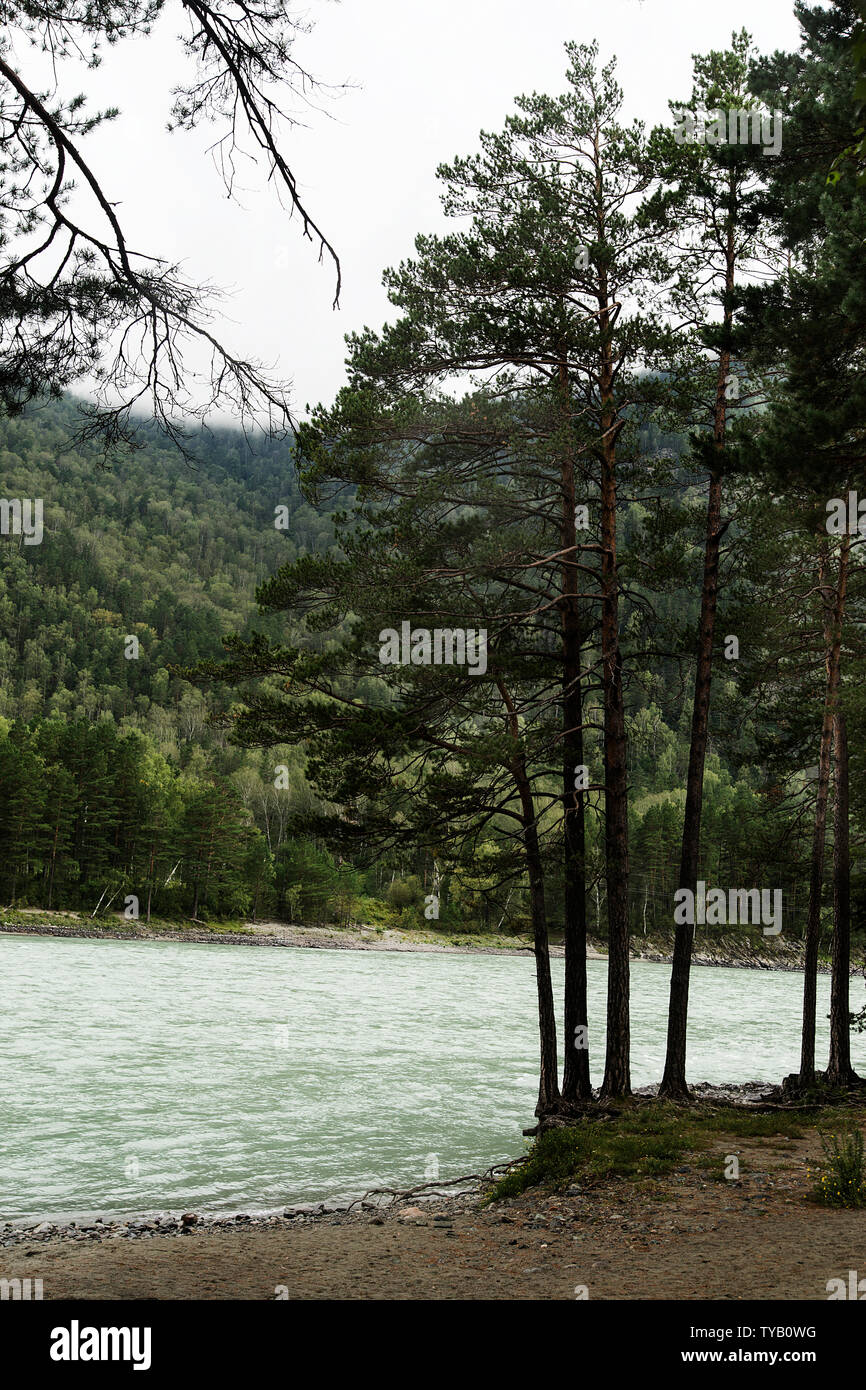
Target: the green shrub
pixel 842 1182
pixel 373 912
pixel 403 892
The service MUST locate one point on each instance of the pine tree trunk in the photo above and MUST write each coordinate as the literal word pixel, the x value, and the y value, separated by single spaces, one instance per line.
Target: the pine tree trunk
pixel 834 609
pixel 548 1080
pixel 576 1084
pixel 617 1076
pixel 674 1085
pixel 839 1069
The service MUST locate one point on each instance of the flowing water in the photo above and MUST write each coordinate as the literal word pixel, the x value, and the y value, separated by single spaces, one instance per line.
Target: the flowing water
pixel 152 1076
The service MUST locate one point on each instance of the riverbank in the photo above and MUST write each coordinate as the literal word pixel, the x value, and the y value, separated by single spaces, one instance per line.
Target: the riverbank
pixel 355 938
pixel 744 950
pixel 685 1235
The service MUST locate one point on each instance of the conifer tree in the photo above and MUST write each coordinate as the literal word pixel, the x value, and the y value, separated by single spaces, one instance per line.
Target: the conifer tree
pixel 706 210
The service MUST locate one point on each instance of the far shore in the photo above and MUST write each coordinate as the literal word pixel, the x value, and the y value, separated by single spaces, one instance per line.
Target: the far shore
pixel 727 951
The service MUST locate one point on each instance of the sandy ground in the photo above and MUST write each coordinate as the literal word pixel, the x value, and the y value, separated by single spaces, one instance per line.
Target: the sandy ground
pixel 681 1237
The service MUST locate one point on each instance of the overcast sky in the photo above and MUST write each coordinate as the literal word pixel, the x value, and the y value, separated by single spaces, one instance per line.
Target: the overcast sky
pixel 425 79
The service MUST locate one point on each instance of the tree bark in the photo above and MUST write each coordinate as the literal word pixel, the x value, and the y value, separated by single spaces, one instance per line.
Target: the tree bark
pixel 839 1069
pixel 576 1084
pixel 617 1074
pixel 548 1076
pixel 834 607
pixel 548 1079
pixel 674 1085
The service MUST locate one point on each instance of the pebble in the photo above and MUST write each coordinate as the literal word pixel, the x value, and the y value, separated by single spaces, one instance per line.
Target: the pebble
pixel 411 1214
pixel 438 1213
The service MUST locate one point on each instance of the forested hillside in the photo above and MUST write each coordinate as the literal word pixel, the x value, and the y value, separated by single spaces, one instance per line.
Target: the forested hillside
pixel 110 769
pixel 115 784
pixel 158 547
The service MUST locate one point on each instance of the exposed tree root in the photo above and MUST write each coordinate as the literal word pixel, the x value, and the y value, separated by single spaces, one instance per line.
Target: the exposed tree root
pixel 475 1180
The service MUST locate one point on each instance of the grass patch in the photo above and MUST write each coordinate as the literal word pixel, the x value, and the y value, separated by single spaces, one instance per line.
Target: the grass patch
pixel 643 1141
pixel 746 1126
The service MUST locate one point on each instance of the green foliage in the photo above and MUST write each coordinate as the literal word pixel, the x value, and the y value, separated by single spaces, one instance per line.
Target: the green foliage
pixel 644 1143
pixel 177 561
pixel 159 549
pixel 313 885
pixel 842 1181
pixel 92 814
pixel 374 913
pixel 404 892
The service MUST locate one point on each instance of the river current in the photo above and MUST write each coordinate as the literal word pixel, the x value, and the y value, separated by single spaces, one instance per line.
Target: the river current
pixel 158 1076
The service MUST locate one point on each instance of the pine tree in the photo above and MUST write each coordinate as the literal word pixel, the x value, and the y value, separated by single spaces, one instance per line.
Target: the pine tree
pixel 813 319
pixel 706 210
pixel 532 295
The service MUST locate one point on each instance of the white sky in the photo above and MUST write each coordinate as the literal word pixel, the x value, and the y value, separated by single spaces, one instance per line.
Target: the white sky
pixel 426 78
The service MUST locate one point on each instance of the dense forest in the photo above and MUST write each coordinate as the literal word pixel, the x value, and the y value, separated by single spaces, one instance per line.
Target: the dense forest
pixel 109 762
pixel 119 782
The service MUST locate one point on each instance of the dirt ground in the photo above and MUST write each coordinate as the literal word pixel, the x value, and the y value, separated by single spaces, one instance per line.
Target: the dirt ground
pixel 679 1237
